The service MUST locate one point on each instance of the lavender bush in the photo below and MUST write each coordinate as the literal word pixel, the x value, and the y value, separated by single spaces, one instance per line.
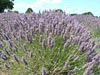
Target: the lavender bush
pixel 47 43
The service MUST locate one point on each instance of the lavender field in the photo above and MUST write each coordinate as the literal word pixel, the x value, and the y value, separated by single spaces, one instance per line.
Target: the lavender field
pixel 49 43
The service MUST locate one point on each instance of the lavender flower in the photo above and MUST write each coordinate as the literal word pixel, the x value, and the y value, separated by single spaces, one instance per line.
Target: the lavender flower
pixel 7 67
pixel 15 58
pixel 70 72
pixel 29 38
pixel 88 71
pixel 67 64
pixel 39 51
pixel 40 39
pixel 82 47
pixel 66 44
pixel 24 47
pixel 51 44
pixel 3 56
pixel 31 54
pixel 1 44
pixel 10 43
pixel 62 33
pixel 69 28
pixel 44 72
pixel 93 43
pixel 5 35
pixel 25 61
pixel 6 51
pixel 44 44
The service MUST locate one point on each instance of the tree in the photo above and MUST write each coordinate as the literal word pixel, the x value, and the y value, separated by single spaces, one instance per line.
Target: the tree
pixel 59 10
pixel 29 10
pixel 9 10
pixel 88 13
pixel 6 4
pixel 73 14
pixel 15 11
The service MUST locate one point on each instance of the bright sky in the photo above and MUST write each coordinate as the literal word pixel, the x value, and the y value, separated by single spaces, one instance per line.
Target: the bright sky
pixel 70 6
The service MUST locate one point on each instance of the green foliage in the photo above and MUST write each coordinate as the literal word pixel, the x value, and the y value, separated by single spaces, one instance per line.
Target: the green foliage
pixel 9 11
pixel 59 10
pixel 52 59
pixel 6 4
pixel 88 13
pixel 73 14
pixel 29 10
pixel 15 11
pixel 95 31
pixel 96 34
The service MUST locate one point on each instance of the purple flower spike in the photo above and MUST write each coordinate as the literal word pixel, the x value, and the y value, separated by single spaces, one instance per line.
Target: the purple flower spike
pixel 44 44
pixel 31 54
pixel 40 39
pixel 15 58
pixel 25 61
pixel 67 64
pixel 7 67
pixel 24 47
pixel 10 43
pixel 44 72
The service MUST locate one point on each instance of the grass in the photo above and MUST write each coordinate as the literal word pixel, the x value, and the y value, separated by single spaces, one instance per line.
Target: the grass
pixel 96 33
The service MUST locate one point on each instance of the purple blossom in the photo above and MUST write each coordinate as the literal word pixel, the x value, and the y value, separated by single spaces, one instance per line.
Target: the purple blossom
pixel 25 61
pixel 51 44
pixel 31 54
pixel 67 64
pixel 15 58
pixel 44 71
pixel 10 43
pixel 6 66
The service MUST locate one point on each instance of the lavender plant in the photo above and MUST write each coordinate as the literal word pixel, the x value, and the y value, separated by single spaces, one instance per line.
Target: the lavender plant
pixel 47 43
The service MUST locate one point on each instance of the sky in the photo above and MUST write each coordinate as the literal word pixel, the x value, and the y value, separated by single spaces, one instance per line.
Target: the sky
pixel 69 6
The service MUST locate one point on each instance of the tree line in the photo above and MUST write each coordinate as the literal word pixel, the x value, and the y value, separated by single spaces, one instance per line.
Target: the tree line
pixel 9 5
